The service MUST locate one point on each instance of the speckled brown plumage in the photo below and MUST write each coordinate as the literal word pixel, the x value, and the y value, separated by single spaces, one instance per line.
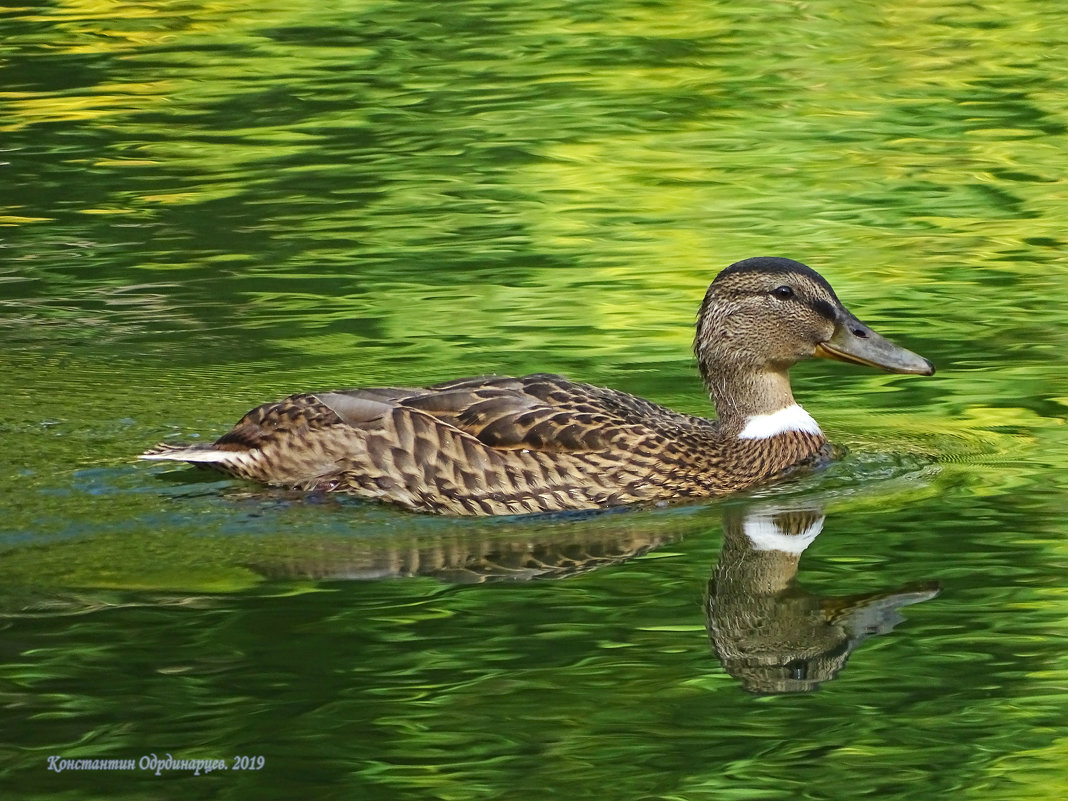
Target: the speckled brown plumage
pixel 498 445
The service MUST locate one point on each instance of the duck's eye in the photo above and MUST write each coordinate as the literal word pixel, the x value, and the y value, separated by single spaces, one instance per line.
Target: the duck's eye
pixel 783 292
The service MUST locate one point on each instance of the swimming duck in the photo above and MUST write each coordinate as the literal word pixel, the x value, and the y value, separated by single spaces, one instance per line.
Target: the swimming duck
pixel 501 446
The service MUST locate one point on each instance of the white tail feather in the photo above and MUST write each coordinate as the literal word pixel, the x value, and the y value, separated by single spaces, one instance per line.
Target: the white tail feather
pixel 207 455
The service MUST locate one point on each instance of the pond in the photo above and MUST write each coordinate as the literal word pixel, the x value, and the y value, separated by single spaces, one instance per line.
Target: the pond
pixel 207 206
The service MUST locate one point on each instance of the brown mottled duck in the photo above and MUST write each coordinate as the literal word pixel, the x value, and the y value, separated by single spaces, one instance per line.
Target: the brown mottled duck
pixel 502 446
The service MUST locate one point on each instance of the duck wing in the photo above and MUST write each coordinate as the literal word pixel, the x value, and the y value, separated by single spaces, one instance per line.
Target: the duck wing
pixel 544 413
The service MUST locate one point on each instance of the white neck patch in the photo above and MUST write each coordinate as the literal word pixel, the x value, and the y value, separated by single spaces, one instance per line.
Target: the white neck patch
pixel 764 535
pixel 789 418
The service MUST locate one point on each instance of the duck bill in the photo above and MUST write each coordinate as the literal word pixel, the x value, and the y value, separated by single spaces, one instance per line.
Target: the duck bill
pixel 855 343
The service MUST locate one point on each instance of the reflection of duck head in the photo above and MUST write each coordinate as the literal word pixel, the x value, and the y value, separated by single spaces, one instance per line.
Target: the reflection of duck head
pixel 767 630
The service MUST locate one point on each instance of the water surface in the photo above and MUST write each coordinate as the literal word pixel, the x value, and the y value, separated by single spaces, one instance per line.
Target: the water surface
pixel 205 207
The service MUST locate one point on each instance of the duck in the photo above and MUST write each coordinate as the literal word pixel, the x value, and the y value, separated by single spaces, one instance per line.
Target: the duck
pixel 499 445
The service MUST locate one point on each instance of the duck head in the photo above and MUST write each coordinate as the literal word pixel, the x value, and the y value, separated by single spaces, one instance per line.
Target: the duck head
pixel 763 315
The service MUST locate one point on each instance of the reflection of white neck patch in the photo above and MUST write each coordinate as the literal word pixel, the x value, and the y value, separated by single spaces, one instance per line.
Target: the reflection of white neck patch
pixel 764 535
pixel 790 418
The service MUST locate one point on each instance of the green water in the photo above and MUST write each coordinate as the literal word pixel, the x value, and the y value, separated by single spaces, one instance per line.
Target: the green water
pixel 205 206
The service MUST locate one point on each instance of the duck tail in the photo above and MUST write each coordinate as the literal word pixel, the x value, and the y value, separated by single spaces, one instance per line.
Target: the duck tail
pixel 197 454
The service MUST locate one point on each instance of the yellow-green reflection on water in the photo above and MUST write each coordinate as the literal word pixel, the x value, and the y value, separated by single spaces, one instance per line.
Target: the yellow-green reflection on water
pixel 206 206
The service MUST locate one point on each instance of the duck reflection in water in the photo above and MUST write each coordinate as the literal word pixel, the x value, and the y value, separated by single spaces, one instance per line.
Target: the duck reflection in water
pixel 465 555
pixel 770 632
pixel 767 630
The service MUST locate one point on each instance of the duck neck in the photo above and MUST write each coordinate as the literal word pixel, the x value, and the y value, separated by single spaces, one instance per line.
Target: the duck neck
pixel 757 404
